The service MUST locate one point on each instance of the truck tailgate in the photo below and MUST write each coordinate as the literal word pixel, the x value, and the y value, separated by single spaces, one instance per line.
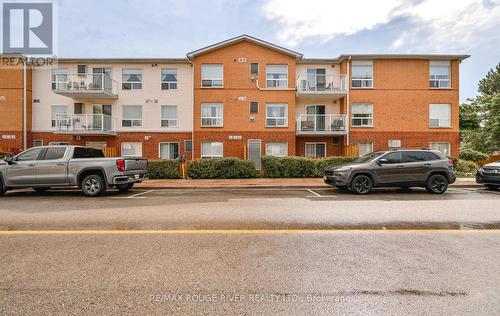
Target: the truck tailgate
pixel 134 164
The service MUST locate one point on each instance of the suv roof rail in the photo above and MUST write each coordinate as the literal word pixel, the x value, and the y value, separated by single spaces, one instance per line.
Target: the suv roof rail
pixel 416 148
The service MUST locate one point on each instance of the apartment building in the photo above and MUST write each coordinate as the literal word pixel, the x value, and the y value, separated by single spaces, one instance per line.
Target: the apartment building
pixel 242 97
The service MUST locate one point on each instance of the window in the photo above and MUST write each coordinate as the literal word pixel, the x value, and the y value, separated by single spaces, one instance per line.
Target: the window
pixel 78 108
pixel 315 150
pixel 414 156
pixel 277 76
pixel 362 73
pixel 81 69
pixel 444 148
pixel 188 146
pixel 132 149
pixel 362 114
pixel 212 76
pixel 169 150
pixel 168 78
pixel 212 114
pixel 131 78
pixel 254 107
pixel 316 79
pixel 30 154
pixel 212 149
pixel 54 153
pixel 431 156
pixel 85 153
pixel 277 149
pixel 439 74
pixel 37 143
pixel 58 143
pixel 168 116
pixel 364 148
pixel 395 157
pixel 59 79
pixel 254 69
pixel 439 115
pixel 58 113
pixel 276 115
pixel 131 115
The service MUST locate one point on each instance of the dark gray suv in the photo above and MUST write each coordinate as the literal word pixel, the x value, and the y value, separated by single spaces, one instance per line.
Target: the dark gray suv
pixel 394 168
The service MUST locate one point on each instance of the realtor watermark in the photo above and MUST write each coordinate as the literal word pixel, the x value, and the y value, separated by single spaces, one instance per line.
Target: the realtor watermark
pixel 251 298
pixel 28 31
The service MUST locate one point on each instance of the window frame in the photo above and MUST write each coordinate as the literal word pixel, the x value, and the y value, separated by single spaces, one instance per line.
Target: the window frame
pixel 250 69
pixel 353 78
pixel 121 149
pixel 315 149
pixel 211 157
pixel 132 119
pixel 178 150
pixel 371 117
pixel 132 82
pixel 55 82
pixel 53 120
pixel 37 140
pixel 439 119
pixel 212 118
pixel 439 63
pixel 250 107
pixel 371 147
pixel 185 146
pixel 276 80
pixel 169 120
pixel 212 79
pixel 277 142
pixel 449 147
pixel 276 118
pixel 169 83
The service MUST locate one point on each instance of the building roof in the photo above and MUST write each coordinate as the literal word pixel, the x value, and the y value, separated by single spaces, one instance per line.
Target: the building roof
pixel 240 38
pixel 126 60
pixel 403 56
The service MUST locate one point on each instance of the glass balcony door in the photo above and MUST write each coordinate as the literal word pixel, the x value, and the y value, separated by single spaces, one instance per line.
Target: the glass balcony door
pixel 316 117
pixel 316 79
pixel 102 117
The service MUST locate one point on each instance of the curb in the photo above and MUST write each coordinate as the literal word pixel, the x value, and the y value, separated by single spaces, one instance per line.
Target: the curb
pixel 277 187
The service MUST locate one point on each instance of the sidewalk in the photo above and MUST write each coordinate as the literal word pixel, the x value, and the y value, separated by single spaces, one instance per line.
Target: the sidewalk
pixel 261 183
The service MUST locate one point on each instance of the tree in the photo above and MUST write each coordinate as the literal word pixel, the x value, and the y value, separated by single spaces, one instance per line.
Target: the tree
pixel 469 116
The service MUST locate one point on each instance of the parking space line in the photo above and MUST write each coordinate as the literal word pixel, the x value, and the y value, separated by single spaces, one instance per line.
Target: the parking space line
pixel 315 193
pixel 135 196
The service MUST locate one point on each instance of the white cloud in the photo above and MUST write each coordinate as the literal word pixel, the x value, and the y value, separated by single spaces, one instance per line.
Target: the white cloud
pixel 434 24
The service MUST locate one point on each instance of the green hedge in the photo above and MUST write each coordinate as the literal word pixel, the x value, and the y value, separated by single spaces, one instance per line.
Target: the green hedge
pixel 465 168
pixel 223 168
pixel 472 155
pixel 299 167
pixel 163 169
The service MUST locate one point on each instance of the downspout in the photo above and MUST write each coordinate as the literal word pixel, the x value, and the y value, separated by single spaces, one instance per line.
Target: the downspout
pixel 192 109
pixel 348 105
pixel 25 132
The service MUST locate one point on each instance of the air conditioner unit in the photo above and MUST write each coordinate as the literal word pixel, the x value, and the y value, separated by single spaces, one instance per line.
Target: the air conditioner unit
pixel 394 143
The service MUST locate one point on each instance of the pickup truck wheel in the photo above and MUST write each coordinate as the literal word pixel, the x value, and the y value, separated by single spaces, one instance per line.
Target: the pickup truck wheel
pixel 124 188
pixel 362 184
pixel 2 188
pixel 40 190
pixel 437 184
pixel 93 185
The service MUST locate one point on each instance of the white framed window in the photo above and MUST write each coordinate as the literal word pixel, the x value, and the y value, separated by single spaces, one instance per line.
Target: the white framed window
pixel 169 116
pixel 362 115
pixel 131 78
pixel 58 114
pixel 362 73
pixel 212 114
pixel 277 149
pixel 439 74
pixel 315 150
pixel 59 79
pixel 131 115
pixel 364 148
pixel 276 76
pixel 440 115
pixel 131 149
pixel 168 150
pixel 212 149
pixel 212 75
pixel 169 78
pixel 37 143
pixel 443 147
pixel 276 115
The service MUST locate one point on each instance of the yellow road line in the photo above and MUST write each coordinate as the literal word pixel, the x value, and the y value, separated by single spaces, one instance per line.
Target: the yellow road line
pixel 236 231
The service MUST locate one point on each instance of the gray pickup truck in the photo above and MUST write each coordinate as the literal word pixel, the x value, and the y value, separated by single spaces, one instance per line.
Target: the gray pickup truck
pixel 70 166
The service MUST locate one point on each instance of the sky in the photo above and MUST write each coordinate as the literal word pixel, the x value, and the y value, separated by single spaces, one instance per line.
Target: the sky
pixel 316 28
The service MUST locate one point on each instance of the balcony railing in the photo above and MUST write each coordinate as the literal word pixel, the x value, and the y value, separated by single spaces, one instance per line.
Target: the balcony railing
pixel 85 124
pixel 327 85
pixel 84 86
pixel 321 124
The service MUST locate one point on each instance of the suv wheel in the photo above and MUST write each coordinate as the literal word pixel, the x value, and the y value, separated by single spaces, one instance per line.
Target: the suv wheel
pixel 93 185
pixel 124 188
pixel 362 184
pixel 437 184
pixel 2 188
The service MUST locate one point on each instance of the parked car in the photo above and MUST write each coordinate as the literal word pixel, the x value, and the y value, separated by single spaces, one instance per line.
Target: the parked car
pixel 394 168
pixel 489 175
pixel 70 166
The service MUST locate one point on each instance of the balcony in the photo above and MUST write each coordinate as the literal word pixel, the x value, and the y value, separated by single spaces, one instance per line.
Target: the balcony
pixel 84 86
pixel 322 86
pixel 85 124
pixel 321 124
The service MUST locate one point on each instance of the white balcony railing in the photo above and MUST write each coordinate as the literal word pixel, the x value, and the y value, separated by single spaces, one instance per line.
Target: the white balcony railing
pixel 84 84
pixel 322 84
pixel 326 124
pixel 85 124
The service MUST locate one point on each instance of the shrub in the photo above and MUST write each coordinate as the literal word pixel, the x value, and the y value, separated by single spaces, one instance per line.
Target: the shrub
pixel 299 167
pixel 466 168
pixel 472 155
pixel 163 169
pixel 224 168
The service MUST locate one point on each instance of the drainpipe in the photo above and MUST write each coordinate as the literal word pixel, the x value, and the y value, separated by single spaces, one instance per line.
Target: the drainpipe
pixel 25 132
pixel 192 109
pixel 348 105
